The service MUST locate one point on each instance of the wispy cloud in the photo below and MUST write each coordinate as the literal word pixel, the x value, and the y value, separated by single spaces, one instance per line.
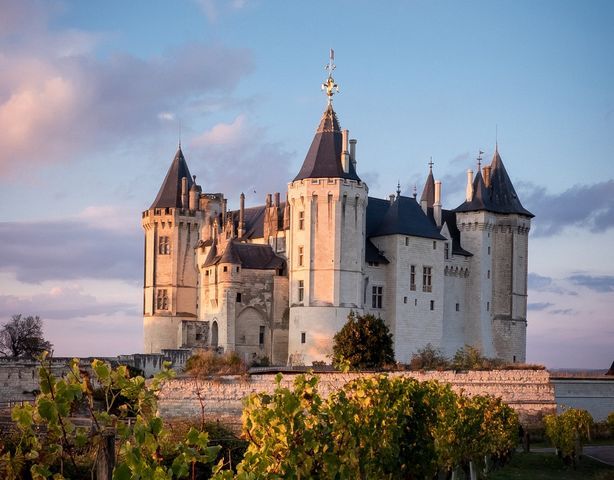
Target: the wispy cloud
pixel 597 283
pixel 539 306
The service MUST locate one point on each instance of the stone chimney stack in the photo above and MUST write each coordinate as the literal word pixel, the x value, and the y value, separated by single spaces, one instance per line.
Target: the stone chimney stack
pixel 276 197
pixel 241 229
pixel 486 174
pixel 184 192
pixel 287 214
pixel 353 143
pixel 437 204
pixel 345 155
pixel 469 192
pixel 268 200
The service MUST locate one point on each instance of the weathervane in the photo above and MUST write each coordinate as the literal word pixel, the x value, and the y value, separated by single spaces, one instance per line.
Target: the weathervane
pixel 330 86
pixel 431 164
pixel 480 152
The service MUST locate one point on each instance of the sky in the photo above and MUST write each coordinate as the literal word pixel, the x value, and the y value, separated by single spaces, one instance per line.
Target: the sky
pixel 95 96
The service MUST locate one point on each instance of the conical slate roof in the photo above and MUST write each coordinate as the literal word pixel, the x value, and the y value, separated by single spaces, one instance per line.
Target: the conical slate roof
pixel 323 159
pixel 170 191
pixel 428 193
pixel 499 196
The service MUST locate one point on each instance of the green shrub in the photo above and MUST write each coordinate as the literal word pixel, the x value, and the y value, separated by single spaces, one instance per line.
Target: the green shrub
pixel 429 358
pixel 208 363
pixel 364 342
pixel 568 432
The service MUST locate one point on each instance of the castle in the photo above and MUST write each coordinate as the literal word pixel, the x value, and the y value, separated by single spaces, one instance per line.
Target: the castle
pixel 279 280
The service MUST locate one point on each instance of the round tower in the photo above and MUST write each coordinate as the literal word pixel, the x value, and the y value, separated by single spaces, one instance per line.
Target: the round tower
pixel 172 225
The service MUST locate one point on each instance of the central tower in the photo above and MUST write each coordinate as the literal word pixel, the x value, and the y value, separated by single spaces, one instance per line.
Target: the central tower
pixel 328 204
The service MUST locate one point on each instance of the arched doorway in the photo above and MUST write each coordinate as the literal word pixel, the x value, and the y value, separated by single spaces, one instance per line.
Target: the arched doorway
pixel 214 334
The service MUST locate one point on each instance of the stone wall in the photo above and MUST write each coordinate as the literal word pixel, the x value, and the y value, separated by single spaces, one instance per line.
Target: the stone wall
pixel 593 394
pixel 529 392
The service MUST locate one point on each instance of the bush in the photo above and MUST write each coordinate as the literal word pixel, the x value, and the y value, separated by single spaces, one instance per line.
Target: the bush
pixel 208 363
pixel 364 342
pixel 568 432
pixel 429 358
pixel 470 358
pixel 610 422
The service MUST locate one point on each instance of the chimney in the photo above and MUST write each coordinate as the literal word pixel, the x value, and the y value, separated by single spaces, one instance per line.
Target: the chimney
pixel 345 156
pixel 469 194
pixel 184 192
pixel 224 206
pixel 486 174
pixel 276 197
pixel 353 143
pixel 437 204
pixel 241 231
pixel 194 194
pixel 392 198
pixel 268 200
pixel 287 214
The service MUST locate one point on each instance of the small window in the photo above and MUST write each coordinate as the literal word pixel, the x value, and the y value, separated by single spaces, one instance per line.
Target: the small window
pixel 238 297
pixel 488 306
pixel 199 336
pixel 434 245
pixel 404 299
pixel 225 268
pixel 377 294
pixel 488 274
pixel 238 269
pixel 301 255
pixel 164 246
pixel 415 302
pixel 488 250
pixel 432 304
pixel 301 220
pixel 446 250
pixel 162 299
pixel 207 273
pixel 261 336
pixel 412 277
pixel 427 285
pixel 303 337
pixel 406 241
pixel 514 359
pixel 458 307
pixel 301 290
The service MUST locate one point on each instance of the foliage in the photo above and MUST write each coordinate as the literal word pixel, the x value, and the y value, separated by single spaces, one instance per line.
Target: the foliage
pixel 208 363
pixel 23 337
pixel 144 447
pixel 568 431
pixel 470 358
pixel 429 358
pixel 610 422
pixel 364 341
pixel 261 362
pixel 374 427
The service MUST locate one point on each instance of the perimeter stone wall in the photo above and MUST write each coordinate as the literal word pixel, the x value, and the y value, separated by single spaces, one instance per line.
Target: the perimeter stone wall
pixel 529 392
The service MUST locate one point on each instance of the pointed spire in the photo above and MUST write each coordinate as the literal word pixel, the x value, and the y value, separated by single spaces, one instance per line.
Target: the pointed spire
pixel 169 194
pixel 428 193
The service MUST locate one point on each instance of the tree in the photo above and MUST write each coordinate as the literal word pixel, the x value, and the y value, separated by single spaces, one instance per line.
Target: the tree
pixel 364 342
pixel 23 337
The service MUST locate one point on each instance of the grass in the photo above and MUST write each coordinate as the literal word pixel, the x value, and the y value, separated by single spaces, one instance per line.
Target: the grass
pixel 546 466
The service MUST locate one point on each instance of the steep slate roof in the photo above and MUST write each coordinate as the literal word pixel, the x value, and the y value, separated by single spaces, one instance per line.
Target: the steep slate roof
pixel 449 218
pixel 402 217
pixel 428 193
pixel 248 255
pixel 170 191
pixel 372 253
pixel 499 197
pixel 323 159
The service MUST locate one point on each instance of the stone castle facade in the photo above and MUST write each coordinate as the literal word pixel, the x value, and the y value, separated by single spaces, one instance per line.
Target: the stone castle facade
pixel 279 279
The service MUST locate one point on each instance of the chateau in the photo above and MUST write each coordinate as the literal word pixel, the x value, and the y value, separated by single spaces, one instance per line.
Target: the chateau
pixel 279 280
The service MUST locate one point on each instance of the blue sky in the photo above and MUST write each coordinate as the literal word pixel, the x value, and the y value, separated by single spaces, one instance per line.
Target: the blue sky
pixel 92 96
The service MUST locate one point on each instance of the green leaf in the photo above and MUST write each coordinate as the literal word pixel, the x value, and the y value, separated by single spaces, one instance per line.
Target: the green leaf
pixel 47 410
pixel 122 472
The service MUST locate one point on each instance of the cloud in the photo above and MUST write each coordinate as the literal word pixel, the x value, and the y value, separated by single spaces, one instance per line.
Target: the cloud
pixel 61 303
pixel 211 8
pixel 539 306
pixel 58 101
pixel 597 283
pixel 237 157
pixel 70 249
pixel 563 311
pixel 585 206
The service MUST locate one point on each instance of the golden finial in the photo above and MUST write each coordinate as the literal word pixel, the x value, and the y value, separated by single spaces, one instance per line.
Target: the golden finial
pixel 329 85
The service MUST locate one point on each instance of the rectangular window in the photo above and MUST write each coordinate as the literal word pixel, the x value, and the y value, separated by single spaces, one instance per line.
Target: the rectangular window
pixel 488 250
pixel 488 306
pixel 427 286
pixel 458 307
pixel 303 337
pixel 238 297
pixel 412 277
pixel 238 269
pixel 301 290
pixel 301 220
pixel 164 246
pixel 446 250
pixel 162 299
pixel 434 245
pixel 406 241
pixel 300 255
pixel 261 336
pixel 404 299
pixel 432 304
pixel 225 268
pixel 377 294
pixel 488 274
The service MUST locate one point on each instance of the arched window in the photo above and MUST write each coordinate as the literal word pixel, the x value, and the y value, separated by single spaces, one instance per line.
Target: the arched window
pixel 214 334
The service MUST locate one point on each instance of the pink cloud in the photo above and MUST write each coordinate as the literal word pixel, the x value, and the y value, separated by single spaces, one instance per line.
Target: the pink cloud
pixel 223 134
